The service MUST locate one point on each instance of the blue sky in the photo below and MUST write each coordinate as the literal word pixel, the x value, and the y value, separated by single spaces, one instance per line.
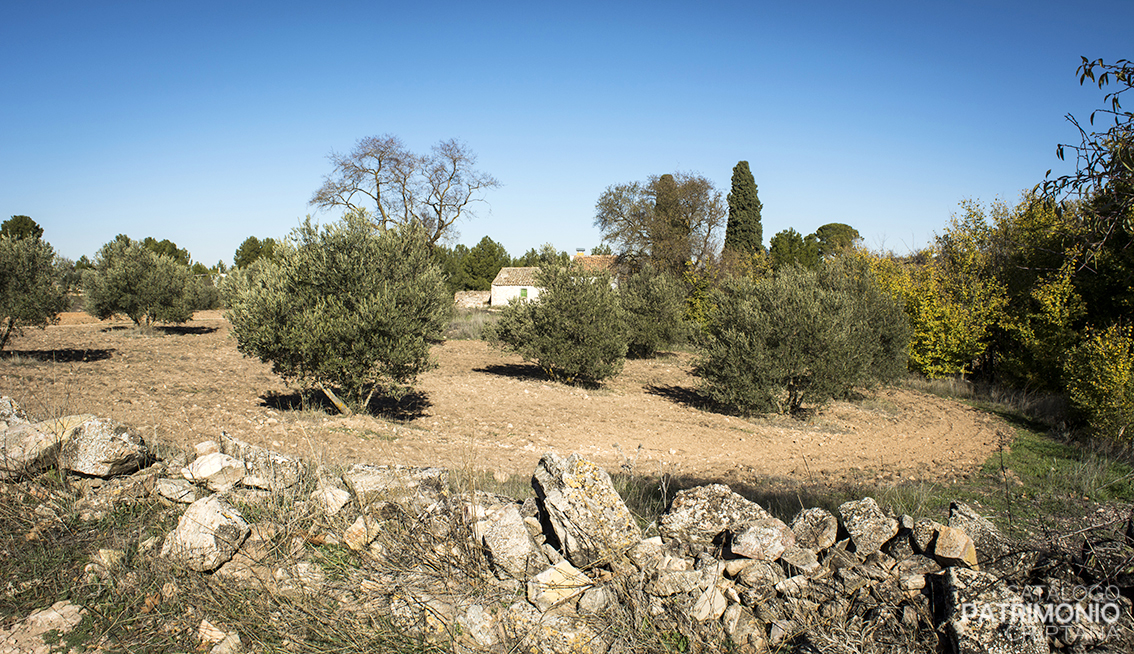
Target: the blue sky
pixel 208 122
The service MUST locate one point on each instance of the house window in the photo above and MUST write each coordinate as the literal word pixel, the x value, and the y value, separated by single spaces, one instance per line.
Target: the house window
pixel 523 292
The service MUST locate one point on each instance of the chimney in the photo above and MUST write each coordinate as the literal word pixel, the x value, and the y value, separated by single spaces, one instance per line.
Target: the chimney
pixel 580 252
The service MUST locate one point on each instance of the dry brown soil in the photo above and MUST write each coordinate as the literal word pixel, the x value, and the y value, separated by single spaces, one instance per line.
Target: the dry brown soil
pixel 485 410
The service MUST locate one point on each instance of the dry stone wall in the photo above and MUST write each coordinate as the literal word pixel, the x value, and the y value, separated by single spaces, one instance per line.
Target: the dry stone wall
pixel 569 569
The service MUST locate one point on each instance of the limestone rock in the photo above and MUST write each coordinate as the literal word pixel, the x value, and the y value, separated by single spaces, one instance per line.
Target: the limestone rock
pixel 590 520
pixel 266 469
pixel 217 471
pixel 412 487
pixel 330 500
pixel 710 605
pixel 990 544
pixel 510 545
pixel 765 539
pixel 10 413
pixel 815 528
pixel 207 535
pixel 867 525
pixel 954 547
pixel 595 600
pixel 761 575
pixel 923 535
pixel 176 490
pixel 361 532
pixel 700 515
pixel 479 625
pixel 974 619
pixel 25 449
pixel 646 554
pixel 666 583
pixel 101 448
pixel 742 628
pixel 560 582
pixel 801 558
pixel 550 633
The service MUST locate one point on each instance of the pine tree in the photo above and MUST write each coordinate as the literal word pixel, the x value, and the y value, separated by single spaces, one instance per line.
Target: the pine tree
pixel 744 233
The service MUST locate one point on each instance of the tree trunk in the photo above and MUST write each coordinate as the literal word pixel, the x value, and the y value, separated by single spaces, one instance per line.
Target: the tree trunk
pixel 339 404
pixel 11 322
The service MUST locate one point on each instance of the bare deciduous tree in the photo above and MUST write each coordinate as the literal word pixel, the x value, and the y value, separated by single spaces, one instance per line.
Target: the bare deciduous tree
pixel 433 190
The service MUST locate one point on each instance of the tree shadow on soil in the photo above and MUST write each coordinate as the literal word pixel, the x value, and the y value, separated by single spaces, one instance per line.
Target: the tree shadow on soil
pixel 689 397
pixel 407 408
pixel 64 355
pixel 528 371
pixel 183 330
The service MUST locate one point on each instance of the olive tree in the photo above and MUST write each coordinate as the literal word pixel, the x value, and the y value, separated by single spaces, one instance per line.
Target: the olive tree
pixel 31 292
pixel 799 336
pixel 343 305
pixel 574 329
pixel 130 278
pixel 653 304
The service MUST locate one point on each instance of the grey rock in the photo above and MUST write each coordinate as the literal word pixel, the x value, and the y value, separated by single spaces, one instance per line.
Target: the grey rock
pixel 595 600
pixel 510 546
pixel 556 584
pixel 923 535
pixel 550 633
pixel 102 448
pixel 766 539
pixel 176 490
pixel 207 535
pixel 802 559
pixel 918 564
pixel 976 622
pixel 990 544
pixel 26 449
pixel 480 626
pixel 666 583
pixel 10 413
pixel 266 469
pixel 411 487
pixel 701 515
pixel 867 525
pixel 710 605
pixel 761 574
pixel 590 520
pixel 815 528
pixel 217 471
pixel 647 554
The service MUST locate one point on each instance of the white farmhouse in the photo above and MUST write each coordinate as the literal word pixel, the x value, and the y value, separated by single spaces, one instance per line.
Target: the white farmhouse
pixel 514 282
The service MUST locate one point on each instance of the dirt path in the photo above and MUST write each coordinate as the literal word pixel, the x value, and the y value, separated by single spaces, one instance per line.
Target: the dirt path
pixel 483 409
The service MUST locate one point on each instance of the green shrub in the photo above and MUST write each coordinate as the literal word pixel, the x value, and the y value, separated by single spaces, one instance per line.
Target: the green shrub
pixel 799 336
pixel 573 329
pixel 201 294
pixel 343 305
pixel 1100 381
pixel 31 291
pixel 653 305
pixel 130 279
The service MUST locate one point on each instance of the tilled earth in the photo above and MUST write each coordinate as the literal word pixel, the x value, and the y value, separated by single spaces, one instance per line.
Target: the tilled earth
pixel 482 409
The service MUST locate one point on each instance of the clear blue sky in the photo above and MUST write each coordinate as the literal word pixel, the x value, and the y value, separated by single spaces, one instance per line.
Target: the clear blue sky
pixel 208 122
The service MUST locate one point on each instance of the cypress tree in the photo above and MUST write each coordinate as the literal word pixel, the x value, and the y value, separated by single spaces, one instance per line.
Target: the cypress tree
pixel 744 233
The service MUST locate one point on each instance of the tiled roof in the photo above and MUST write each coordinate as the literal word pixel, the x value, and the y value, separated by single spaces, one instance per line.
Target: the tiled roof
pixel 596 262
pixel 516 277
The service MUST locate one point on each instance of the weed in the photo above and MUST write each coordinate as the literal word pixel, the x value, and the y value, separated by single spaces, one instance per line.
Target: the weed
pixel 469 324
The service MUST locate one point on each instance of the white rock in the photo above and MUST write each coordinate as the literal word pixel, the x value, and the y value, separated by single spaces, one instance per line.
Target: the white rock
pixel 560 582
pixel 207 535
pixel 219 472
